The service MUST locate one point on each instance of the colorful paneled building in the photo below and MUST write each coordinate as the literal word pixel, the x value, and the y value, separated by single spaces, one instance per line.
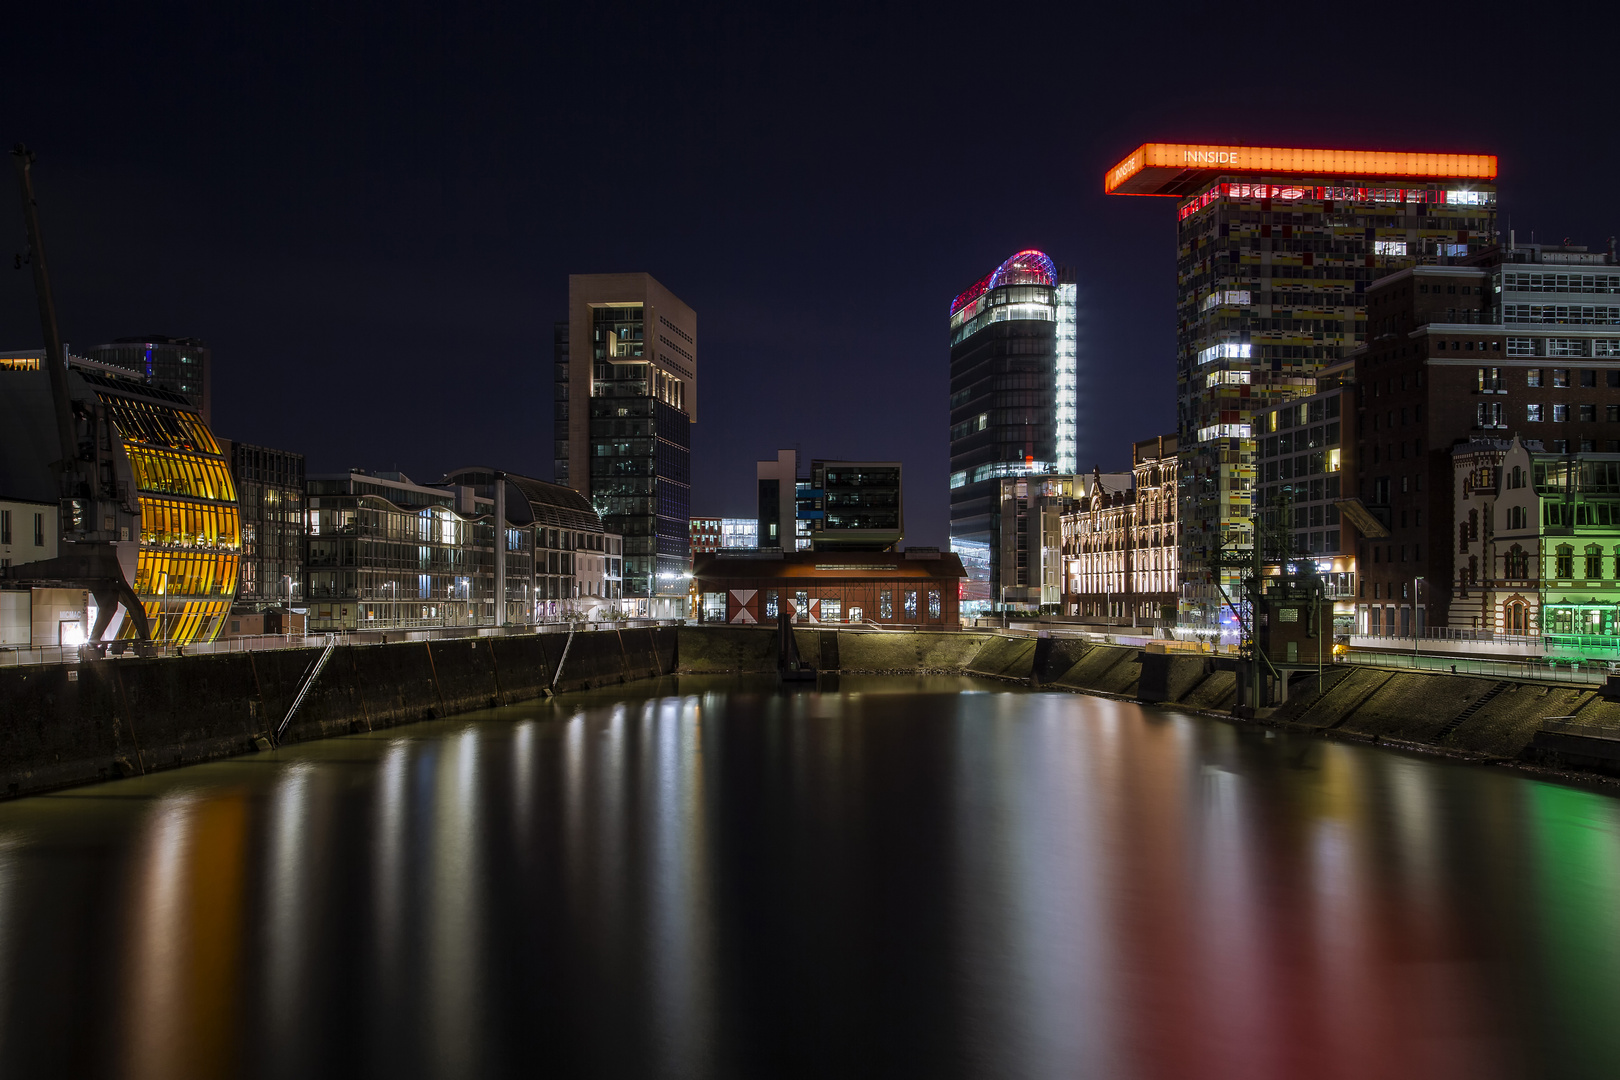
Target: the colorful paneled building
pixel 1275 250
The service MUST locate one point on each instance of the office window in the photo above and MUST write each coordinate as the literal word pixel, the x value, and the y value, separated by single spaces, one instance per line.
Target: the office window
pixel 1588 377
pixel 1560 376
pixel 1532 414
pixel 1587 413
pixel 1532 376
pixel 1560 413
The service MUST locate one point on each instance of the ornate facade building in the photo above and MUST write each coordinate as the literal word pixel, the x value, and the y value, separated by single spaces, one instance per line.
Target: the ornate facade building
pixel 1537 543
pixel 1120 545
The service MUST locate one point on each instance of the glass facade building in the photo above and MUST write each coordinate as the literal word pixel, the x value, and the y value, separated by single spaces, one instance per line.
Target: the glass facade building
pixel 190 552
pixel 853 505
pixel 1014 404
pixel 179 365
pixel 631 348
pixel 386 553
pixel 270 493
pixel 1275 250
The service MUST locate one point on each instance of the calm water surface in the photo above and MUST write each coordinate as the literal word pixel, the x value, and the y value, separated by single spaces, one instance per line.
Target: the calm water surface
pixel 905 877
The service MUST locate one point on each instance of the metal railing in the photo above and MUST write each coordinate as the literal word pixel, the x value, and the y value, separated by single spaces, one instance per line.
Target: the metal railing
pixel 1448 633
pixel 1568 725
pixel 1546 671
pixel 73 654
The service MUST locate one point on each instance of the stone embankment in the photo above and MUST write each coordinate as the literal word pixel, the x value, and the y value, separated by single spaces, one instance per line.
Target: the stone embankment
pixel 72 724
pixel 1472 717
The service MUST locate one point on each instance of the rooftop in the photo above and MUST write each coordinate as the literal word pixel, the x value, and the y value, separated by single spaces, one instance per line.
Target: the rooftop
pixel 1027 267
pixel 1179 169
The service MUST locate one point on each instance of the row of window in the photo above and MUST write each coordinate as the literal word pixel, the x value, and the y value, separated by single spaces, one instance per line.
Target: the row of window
pixel 1310 464
pixel 1309 439
pixel 1563 283
pixel 1571 314
pixel 831 609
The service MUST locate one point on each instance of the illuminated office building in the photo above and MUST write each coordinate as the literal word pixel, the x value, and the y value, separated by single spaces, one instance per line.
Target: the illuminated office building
pixel 1275 250
pixel 162 482
pixel 270 493
pixel 626 392
pixel 1014 404
pixel 387 553
pixel 179 365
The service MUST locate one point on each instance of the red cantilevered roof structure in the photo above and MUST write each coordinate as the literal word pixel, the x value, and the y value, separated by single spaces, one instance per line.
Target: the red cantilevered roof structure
pixel 1179 169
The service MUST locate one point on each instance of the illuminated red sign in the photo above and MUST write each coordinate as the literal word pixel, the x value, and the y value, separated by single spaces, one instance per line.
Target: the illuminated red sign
pixel 1334 194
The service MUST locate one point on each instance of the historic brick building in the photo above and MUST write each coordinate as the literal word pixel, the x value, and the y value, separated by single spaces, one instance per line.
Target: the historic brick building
pixel 1458 353
pixel 913 588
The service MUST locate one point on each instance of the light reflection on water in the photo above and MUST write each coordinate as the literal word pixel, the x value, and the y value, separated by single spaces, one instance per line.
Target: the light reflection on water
pixel 897 878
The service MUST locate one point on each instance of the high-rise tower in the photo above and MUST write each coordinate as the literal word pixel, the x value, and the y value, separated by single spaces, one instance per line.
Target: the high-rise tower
pixel 1014 403
pixel 631 371
pixel 1275 248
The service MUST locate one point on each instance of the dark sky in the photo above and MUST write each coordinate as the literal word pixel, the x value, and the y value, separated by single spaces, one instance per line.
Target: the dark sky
pixel 371 217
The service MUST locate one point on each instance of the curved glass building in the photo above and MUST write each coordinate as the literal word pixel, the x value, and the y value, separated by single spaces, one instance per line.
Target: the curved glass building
pixel 1014 404
pixel 157 495
pixel 190 552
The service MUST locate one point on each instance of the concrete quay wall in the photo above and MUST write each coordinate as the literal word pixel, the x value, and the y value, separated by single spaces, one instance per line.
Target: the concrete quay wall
pixel 78 723
pixel 1474 717
pixel 72 724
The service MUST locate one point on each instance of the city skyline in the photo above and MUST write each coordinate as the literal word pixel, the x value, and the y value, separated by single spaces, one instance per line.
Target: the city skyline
pixel 314 247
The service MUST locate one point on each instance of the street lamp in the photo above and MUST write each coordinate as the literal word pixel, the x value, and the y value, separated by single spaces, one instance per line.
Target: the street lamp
pixel 1417 584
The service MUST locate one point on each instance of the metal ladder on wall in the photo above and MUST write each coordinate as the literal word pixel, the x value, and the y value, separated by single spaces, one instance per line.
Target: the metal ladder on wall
pixel 310 676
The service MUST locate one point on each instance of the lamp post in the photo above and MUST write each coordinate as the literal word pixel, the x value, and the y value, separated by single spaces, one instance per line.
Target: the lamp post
pixel 1417 585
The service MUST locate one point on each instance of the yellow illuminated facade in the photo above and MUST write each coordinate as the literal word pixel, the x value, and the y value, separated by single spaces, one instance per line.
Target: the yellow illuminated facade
pixel 191 528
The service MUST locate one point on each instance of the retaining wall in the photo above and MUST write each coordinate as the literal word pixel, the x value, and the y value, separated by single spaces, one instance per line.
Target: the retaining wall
pixel 68 724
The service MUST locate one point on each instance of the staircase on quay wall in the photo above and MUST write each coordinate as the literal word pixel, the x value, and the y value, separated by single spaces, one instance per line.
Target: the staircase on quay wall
pixel 1457 721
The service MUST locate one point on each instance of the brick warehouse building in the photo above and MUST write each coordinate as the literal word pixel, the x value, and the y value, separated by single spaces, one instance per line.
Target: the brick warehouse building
pixel 1457 353
pixel 915 588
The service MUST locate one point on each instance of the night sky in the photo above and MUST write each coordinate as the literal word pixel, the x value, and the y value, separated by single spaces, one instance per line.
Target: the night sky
pixel 371 217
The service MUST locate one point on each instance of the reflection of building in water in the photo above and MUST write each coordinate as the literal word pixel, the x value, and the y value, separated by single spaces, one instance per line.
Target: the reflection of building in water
pixel 158 470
